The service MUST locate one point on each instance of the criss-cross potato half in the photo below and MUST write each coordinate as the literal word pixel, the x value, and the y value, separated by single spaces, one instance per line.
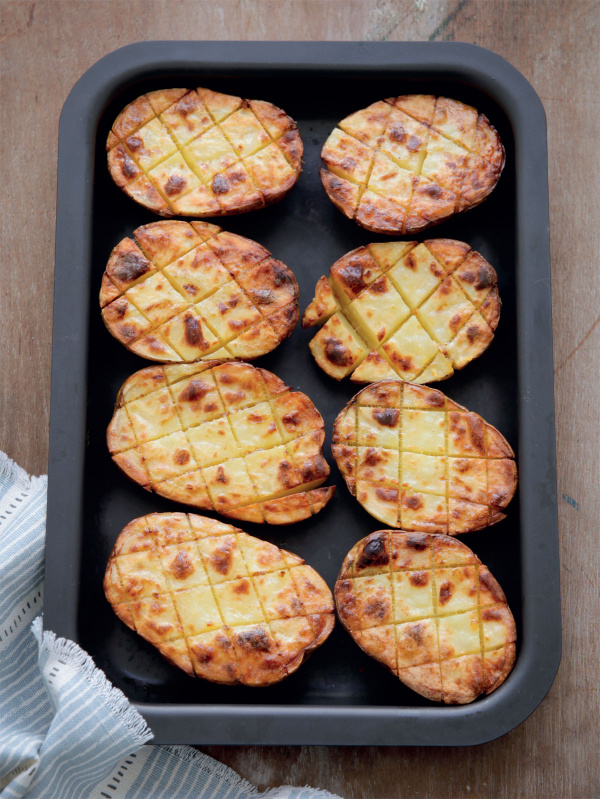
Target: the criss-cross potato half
pixel 427 608
pixel 403 309
pixel 216 602
pixel 227 437
pixel 201 153
pixel 186 291
pixel 416 460
pixel 408 162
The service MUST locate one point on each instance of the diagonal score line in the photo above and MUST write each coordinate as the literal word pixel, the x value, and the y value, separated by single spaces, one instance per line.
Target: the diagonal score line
pixel 155 484
pixel 182 148
pixel 155 327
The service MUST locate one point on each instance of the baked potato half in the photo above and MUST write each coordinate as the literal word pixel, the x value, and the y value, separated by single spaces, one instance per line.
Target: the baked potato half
pixel 216 602
pixel 403 309
pixel 181 291
pixel 227 437
pixel 427 608
pixel 416 460
pixel 201 153
pixel 408 162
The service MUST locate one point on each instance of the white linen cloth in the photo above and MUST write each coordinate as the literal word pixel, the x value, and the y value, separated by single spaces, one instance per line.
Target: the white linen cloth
pixel 65 731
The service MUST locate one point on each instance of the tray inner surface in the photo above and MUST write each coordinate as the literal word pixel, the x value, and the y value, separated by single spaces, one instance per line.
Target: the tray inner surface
pixel 308 234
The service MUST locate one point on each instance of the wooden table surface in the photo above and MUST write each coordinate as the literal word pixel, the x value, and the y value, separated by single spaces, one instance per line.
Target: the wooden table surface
pixel 46 46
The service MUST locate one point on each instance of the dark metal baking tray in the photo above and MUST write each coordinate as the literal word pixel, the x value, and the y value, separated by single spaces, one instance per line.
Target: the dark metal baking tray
pixel 340 696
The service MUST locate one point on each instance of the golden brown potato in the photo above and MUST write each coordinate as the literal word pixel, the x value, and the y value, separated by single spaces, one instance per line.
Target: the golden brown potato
pixel 415 459
pixel 406 163
pixel 190 291
pixel 427 608
pixel 216 602
pixel 402 309
pixel 201 153
pixel 220 436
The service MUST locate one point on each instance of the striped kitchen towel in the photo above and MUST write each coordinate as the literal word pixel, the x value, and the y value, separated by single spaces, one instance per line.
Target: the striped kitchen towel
pixel 65 731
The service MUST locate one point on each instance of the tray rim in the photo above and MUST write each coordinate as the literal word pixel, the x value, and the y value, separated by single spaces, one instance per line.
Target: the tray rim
pixel 533 675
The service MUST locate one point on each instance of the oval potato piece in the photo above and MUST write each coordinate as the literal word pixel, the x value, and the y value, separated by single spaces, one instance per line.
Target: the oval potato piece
pixel 409 162
pixel 227 437
pixel 181 291
pixel 216 602
pixel 416 460
pixel 403 309
pixel 201 153
pixel 427 608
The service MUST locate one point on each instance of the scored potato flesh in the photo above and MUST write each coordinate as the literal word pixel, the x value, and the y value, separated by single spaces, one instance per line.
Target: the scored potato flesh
pixel 427 608
pixel 416 460
pixel 201 153
pixel 216 602
pixel 408 162
pixel 181 291
pixel 403 309
pixel 227 437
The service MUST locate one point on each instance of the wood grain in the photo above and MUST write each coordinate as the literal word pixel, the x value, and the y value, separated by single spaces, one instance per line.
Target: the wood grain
pixel 46 46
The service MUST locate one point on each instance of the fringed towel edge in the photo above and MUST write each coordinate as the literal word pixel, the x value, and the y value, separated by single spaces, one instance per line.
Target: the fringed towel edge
pixel 117 702
pixel 15 474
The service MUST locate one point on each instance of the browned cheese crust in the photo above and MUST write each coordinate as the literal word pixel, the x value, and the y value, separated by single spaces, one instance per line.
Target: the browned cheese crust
pixel 219 436
pixel 406 163
pixel 427 608
pixel 201 153
pixel 181 291
pixel 416 460
pixel 216 602
pixel 402 309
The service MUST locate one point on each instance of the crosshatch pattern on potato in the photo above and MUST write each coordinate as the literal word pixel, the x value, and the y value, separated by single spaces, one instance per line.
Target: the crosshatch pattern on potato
pixel 427 608
pixel 227 437
pixel 416 460
pixel 408 162
pixel 403 309
pixel 181 291
pixel 216 602
pixel 201 153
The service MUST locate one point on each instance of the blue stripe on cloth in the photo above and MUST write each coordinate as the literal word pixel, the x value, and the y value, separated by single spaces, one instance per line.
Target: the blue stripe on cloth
pixel 65 731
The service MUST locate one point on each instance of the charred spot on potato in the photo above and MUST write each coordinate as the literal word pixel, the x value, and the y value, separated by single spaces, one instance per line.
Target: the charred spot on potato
pixel 473 333
pixel 492 586
pixel 372 457
pixel 374 553
pixel 387 418
pixel 418 579
pixel 193 331
pixel 336 352
pixel 130 266
pixel 415 503
pixel 182 457
pixel 175 185
pixel 222 558
pixel 256 639
pixel 377 608
pixel 417 542
pixel 195 390
pixel 387 494
pixel 445 592
pixel 181 566
pixel 221 476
